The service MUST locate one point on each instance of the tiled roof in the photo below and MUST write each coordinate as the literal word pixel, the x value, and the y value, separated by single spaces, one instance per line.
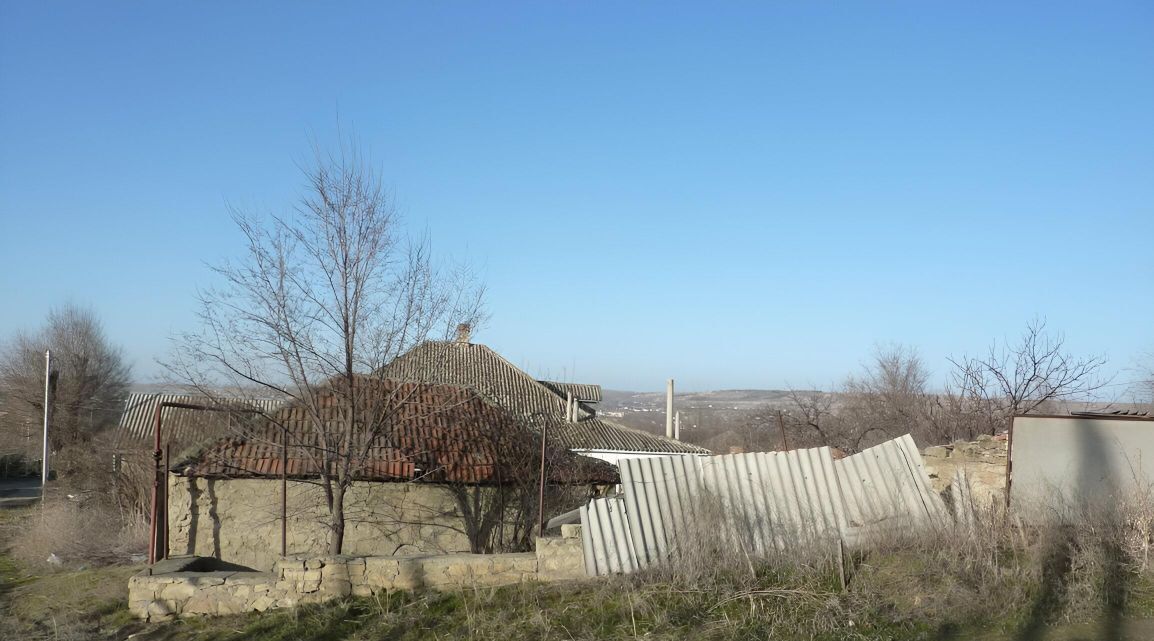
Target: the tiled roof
pixel 581 392
pixel 480 368
pixel 424 432
pixel 182 426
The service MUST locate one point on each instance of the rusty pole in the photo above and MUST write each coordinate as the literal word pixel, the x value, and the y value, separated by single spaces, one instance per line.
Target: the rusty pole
pixel 155 512
pixel 541 487
pixel 284 495
pixel 164 492
pixel 781 426
pixel 157 546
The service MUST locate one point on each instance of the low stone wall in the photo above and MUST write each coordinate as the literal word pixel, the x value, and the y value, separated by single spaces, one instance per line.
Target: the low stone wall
pixel 169 590
pixel 982 462
pixel 239 519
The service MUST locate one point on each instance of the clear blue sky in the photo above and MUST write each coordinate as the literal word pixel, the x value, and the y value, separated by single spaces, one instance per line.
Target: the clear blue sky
pixel 735 196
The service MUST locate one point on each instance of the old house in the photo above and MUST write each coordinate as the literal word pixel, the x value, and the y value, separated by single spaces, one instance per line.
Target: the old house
pixel 565 410
pixel 436 468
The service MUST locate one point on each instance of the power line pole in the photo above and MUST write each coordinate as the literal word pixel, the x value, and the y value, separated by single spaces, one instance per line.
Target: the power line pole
pixel 49 392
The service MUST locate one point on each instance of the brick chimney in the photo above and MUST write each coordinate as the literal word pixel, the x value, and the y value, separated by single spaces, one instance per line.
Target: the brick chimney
pixel 463 332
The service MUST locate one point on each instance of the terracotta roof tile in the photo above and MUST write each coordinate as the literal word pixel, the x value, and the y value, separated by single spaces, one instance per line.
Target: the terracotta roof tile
pixel 405 432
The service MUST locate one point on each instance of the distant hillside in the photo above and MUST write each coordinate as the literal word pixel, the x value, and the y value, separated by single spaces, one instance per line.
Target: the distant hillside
pixel 740 399
pixel 703 414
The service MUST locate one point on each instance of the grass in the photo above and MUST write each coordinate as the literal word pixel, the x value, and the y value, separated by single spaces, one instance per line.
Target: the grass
pixel 889 602
pixel 1002 583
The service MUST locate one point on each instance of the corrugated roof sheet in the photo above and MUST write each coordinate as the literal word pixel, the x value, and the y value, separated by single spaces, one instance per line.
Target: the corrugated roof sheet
pixel 886 489
pixel 405 432
pixel 770 501
pixel 479 368
pixel 183 426
pixel 580 391
pixel 605 538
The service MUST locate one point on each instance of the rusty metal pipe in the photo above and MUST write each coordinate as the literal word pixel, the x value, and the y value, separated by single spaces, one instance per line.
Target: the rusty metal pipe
pixel 541 487
pixel 284 496
pixel 158 546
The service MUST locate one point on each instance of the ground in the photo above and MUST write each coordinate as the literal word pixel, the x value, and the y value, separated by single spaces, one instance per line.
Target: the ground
pixel 894 598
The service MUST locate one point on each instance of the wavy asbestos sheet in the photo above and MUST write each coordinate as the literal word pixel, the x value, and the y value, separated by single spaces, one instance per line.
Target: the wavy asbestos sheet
pixel 886 490
pixel 759 502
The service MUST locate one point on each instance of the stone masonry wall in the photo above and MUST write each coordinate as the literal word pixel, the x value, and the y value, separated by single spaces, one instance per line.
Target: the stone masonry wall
pixel 162 594
pixel 983 462
pixel 238 520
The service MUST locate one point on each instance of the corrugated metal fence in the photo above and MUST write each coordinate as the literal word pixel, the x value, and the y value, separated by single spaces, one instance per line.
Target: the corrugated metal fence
pixel 770 501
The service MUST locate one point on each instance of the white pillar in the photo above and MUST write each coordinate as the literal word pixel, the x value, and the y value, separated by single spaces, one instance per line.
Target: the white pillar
pixel 47 402
pixel 669 409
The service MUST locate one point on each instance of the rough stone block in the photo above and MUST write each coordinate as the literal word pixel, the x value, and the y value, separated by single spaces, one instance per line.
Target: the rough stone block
pixel 571 531
pixel 936 451
pixel 178 591
pixel 362 590
pixel 159 611
pixel 200 604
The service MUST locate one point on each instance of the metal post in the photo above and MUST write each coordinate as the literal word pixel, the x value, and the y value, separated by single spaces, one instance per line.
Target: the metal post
pixel 47 406
pixel 284 495
pixel 155 512
pixel 164 501
pixel 781 425
pixel 160 510
pixel 541 488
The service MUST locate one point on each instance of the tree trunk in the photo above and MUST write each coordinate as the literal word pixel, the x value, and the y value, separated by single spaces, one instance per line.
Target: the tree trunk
pixel 337 521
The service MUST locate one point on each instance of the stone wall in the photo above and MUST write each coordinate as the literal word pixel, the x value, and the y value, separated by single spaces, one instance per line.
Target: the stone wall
pixel 169 589
pixel 239 520
pixel 982 462
pixel 561 558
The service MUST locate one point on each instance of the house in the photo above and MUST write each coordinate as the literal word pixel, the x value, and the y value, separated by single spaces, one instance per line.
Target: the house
pixel 437 469
pixel 564 410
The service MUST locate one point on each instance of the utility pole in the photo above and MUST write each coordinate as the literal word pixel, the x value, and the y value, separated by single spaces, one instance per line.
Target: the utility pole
pixel 669 409
pixel 49 394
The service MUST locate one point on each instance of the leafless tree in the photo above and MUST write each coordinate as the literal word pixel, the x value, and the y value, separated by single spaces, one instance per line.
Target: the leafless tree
pixel 889 398
pixel 503 515
pixel 1023 378
pixel 811 413
pixel 92 383
pixel 326 293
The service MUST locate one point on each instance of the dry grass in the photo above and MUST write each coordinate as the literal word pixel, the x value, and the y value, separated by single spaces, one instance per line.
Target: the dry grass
pixel 79 532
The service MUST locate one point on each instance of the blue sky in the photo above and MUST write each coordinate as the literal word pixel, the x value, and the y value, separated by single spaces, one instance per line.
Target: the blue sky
pixel 751 195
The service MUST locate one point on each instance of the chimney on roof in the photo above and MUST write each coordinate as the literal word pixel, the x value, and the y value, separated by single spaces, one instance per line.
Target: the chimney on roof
pixel 463 332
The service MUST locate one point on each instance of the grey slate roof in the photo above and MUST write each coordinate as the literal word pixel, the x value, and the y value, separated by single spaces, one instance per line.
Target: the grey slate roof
pixel 485 371
pixel 181 426
pixel 582 392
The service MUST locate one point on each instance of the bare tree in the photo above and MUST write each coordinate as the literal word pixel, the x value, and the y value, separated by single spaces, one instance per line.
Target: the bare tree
pixel 1022 378
pixel 93 377
pixel 889 398
pixel 503 515
pixel 811 412
pixel 325 294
